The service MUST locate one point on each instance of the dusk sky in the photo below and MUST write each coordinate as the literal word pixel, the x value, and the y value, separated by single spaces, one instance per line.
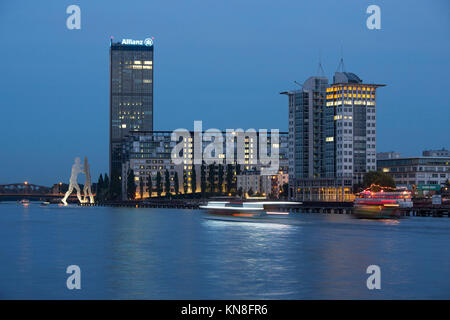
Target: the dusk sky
pixel 223 62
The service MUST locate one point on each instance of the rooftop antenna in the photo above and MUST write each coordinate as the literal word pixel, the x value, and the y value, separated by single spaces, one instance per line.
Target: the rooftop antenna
pixel 320 70
pixel 341 66
pixel 298 84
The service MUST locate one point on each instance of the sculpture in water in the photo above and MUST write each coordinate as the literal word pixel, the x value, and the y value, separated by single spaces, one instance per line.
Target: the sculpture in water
pixel 87 185
pixel 76 170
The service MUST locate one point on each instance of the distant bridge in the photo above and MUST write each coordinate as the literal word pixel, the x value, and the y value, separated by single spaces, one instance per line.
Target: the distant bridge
pixel 25 190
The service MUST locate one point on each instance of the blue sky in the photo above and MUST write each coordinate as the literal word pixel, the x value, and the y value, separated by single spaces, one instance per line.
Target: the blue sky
pixel 223 62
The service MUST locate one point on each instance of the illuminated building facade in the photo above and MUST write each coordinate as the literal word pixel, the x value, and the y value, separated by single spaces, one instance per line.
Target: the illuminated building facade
pixel 252 182
pixel 147 152
pixel 131 93
pixel 332 137
pixel 350 141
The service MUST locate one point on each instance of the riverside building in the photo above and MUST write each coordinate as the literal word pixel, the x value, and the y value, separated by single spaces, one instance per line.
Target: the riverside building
pixel 149 152
pixel 422 174
pixel 332 132
pixel 131 93
pixel 436 153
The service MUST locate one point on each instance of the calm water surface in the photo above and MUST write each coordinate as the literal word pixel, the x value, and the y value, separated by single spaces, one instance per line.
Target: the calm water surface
pixel 127 253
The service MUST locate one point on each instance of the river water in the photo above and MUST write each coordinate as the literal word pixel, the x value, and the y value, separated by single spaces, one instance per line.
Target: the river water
pixel 130 253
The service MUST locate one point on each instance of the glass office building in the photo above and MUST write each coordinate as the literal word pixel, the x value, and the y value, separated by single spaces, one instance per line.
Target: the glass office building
pixel 131 93
pixel 306 129
pixel 332 137
pixel 350 141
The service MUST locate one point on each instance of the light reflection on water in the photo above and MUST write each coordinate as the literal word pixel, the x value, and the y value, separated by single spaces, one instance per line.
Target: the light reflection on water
pixel 129 253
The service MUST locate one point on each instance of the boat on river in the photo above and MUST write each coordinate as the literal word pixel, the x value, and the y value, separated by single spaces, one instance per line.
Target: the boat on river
pixel 24 202
pixel 381 205
pixel 246 211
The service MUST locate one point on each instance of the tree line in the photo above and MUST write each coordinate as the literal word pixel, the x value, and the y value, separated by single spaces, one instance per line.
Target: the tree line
pixel 215 180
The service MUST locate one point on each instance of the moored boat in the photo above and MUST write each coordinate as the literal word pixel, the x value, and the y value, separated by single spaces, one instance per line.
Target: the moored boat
pixel 382 204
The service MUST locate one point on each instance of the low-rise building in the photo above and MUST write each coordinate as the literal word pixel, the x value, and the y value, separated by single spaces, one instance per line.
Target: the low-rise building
pixel 420 173
pixel 278 181
pixel 252 182
pixel 388 155
pixel 436 153
pixel 269 186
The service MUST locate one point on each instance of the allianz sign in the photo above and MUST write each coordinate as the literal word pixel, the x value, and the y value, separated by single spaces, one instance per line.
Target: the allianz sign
pixel 147 42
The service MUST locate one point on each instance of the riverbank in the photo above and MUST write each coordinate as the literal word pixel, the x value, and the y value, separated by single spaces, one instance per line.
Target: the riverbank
pixel 303 207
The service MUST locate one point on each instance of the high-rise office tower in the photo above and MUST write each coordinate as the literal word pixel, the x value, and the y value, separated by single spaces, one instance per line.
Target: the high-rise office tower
pixel 350 141
pixel 131 93
pixel 332 136
pixel 306 129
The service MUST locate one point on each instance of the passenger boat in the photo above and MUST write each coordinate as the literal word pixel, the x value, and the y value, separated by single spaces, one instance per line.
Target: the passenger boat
pixel 246 211
pixel 382 204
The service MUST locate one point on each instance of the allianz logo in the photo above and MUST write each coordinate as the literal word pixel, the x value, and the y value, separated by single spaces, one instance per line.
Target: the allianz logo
pixel 147 42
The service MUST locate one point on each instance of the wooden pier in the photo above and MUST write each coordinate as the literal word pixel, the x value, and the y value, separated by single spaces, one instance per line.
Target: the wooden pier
pixel 322 207
pixel 428 211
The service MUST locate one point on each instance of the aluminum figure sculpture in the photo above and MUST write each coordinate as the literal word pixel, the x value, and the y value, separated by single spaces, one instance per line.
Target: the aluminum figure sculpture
pixel 76 169
pixel 87 185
